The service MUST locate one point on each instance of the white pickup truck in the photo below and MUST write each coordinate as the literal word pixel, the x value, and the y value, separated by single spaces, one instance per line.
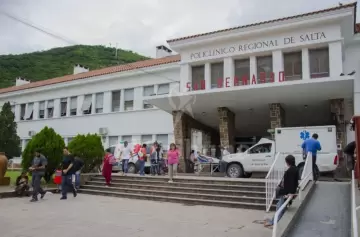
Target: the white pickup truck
pixel 261 156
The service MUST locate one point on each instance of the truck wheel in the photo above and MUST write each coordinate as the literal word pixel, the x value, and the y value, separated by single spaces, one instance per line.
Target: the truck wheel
pixel 131 169
pixel 235 171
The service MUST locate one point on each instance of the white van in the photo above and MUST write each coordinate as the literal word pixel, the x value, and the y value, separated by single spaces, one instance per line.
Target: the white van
pixel 260 157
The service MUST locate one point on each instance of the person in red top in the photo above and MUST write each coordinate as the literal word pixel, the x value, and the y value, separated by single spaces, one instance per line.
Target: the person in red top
pixel 107 166
pixel 142 159
pixel 173 161
pixel 58 178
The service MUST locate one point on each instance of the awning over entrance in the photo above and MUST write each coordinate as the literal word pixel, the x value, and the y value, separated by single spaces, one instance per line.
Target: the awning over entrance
pixel 200 103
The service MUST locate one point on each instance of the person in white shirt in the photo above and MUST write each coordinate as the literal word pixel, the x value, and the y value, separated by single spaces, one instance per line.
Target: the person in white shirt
pixel 126 153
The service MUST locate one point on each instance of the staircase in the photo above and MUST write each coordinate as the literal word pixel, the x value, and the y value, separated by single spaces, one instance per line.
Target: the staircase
pixel 221 192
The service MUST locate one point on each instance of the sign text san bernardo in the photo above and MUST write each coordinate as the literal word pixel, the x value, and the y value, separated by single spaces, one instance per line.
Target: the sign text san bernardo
pixel 258 45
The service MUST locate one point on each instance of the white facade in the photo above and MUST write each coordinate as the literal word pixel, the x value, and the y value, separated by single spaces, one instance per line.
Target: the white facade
pixel 331 31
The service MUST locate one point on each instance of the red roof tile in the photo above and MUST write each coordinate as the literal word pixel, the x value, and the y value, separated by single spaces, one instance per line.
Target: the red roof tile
pixel 99 72
pixel 266 22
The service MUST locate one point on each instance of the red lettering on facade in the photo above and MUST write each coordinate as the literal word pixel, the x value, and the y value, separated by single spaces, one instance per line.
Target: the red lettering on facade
pixel 272 77
pixel 236 81
pixel 227 82
pixel 188 86
pixel 262 77
pixel 253 80
pixel 220 83
pixel 244 80
pixel 281 76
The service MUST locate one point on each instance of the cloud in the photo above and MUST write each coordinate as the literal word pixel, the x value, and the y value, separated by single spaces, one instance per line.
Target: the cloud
pixel 138 25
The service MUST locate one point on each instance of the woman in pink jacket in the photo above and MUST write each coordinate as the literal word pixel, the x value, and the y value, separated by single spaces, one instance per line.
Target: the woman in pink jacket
pixel 173 160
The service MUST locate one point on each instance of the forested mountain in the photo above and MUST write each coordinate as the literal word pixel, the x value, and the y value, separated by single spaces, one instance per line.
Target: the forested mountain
pixel 57 62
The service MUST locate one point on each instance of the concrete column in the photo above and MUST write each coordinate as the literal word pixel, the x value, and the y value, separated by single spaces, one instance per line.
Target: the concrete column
pixel 229 72
pixel 277 116
pixel 227 128
pixel 36 110
pixel 185 76
pixel 335 59
pixel 337 109
pixel 57 108
pixel 278 63
pixel 253 67
pixel 46 114
pixel 93 103
pixel 207 76
pixel 107 102
pixel 68 106
pixel 181 131
pixel 305 61
pixel 17 112
pixel 138 98
pixel 122 100
pixel 80 101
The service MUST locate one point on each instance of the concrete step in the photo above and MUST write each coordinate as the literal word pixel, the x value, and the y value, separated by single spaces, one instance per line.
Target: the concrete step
pixel 194 179
pixel 183 200
pixel 171 188
pixel 218 197
pixel 239 187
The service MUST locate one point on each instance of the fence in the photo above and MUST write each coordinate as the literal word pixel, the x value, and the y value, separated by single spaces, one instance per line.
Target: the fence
pixel 306 177
pixel 354 222
pixel 273 179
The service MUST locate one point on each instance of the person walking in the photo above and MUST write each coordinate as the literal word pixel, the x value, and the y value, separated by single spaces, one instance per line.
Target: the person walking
pixel 68 169
pixel 109 160
pixel 312 145
pixel 142 159
pixel 173 160
pixel 37 168
pixel 126 153
pixel 78 164
pixel 154 159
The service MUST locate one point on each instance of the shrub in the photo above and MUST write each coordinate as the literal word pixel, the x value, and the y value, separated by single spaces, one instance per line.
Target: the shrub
pixel 50 144
pixel 89 148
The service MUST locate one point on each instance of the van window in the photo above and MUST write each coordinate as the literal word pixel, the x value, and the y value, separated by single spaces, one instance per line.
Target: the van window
pixel 262 148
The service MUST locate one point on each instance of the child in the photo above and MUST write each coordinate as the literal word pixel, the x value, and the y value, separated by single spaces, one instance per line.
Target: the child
pixel 57 178
pixel 22 185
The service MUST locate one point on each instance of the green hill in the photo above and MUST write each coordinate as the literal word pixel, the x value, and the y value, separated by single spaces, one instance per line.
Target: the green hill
pixel 58 62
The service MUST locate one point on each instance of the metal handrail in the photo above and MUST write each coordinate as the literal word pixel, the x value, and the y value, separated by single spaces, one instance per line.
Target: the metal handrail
pixel 273 165
pixel 353 206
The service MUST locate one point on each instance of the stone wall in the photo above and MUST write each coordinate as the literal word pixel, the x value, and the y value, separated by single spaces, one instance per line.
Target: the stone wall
pixel 277 116
pixel 183 123
pixel 227 128
pixel 337 108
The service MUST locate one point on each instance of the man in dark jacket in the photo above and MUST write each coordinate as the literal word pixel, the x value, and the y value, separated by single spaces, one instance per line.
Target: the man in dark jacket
pixel 288 186
pixel 349 150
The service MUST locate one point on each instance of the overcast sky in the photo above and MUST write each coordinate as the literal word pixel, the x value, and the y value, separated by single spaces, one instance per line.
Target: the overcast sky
pixel 138 25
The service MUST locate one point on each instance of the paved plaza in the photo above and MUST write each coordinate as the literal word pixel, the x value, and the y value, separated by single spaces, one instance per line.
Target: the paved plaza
pixel 94 216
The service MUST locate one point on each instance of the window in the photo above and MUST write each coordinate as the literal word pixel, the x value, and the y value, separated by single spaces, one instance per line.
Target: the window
pixel 99 103
pixel 13 109
pixel 86 106
pixel 163 89
pixel 129 99
pixel 293 66
pixel 126 138
pixel 146 139
pixel 162 139
pixel 50 108
pixel 63 107
pixel 22 111
pixel 242 72
pixel 147 105
pixel 29 111
pixel 42 109
pixel 73 106
pixel 115 101
pixel 148 91
pixel 113 140
pixel 319 63
pixel 264 65
pixel 198 77
pixel 262 148
pixel 217 75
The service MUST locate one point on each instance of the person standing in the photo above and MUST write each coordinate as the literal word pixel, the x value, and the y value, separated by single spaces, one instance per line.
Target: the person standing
pixel 154 159
pixel 78 164
pixel 39 164
pixel 126 153
pixel 142 159
pixel 349 151
pixel 312 145
pixel 173 160
pixel 68 169
pixel 108 162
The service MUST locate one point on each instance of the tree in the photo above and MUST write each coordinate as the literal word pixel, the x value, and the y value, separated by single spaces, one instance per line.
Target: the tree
pixel 89 148
pixel 50 144
pixel 9 140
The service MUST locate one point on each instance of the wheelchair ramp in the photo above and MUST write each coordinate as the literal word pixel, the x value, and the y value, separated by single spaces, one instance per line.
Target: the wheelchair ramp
pixel 327 213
